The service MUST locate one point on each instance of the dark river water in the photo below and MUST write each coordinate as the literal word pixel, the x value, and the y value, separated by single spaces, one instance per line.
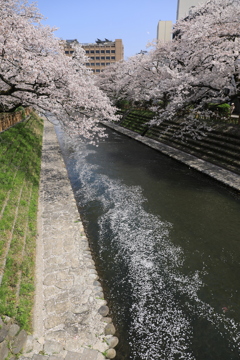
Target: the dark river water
pixel 166 241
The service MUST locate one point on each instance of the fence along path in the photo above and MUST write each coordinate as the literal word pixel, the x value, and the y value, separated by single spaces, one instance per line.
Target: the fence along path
pixel 10 119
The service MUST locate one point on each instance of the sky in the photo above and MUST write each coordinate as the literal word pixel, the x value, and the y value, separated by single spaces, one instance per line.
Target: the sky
pixel 135 22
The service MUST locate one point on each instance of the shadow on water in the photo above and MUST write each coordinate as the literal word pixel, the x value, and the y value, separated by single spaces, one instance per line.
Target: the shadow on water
pixel 166 241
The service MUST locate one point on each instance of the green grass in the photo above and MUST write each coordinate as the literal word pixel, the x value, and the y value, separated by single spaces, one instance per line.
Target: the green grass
pixel 20 161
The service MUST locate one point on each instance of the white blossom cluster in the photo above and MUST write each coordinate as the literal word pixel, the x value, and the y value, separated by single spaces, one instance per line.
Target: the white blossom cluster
pixel 181 78
pixel 34 71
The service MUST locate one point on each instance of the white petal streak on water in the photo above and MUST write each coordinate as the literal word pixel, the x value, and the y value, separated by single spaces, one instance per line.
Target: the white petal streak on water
pixel 160 327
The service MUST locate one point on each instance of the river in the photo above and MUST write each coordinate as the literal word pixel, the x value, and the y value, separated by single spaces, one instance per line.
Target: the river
pixel 166 242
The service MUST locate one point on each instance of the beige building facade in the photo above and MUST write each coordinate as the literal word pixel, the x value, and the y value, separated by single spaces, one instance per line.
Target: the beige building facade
pixel 101 53
pixel 164 31
pixel 184 7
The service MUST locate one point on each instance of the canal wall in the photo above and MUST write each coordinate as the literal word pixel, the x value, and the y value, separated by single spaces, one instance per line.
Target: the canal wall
pixel 219 145
pixel 191 157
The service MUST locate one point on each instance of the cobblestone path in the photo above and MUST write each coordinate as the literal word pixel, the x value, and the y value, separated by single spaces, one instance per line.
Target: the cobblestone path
pixel 70 317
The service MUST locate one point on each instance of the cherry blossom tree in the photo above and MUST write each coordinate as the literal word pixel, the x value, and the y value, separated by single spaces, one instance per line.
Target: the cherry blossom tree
pixel 134 79
pixel 204 57
pixel 182 78
pixel 34 71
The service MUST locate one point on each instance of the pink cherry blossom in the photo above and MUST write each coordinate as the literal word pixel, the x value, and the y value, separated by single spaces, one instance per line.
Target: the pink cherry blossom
pixel 34 71
pixel 179 79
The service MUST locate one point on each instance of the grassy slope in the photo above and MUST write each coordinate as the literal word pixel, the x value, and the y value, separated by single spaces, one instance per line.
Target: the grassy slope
pixel 20 161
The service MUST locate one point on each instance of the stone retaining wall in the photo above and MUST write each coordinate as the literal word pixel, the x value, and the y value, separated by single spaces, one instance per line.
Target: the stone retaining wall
pixel 216 172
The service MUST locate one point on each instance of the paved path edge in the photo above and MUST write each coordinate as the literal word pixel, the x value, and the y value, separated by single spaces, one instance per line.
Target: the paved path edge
pixel 45 343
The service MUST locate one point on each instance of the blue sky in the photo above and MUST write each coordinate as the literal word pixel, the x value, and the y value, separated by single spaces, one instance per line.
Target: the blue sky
pixel 135 22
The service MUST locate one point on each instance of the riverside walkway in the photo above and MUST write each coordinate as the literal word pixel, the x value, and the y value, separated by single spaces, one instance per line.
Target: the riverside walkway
pixel 70 315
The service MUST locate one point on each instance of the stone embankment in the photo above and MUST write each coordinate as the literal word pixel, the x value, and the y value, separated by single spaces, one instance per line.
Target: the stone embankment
pixel 71 317
pixel 14 341
pixel 227 173
pixel 220 145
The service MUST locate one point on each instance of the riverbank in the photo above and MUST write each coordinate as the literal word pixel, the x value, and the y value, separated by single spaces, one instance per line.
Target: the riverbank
pixel 70 319
pixel 69 311
pixel 20 163
pixel 226 177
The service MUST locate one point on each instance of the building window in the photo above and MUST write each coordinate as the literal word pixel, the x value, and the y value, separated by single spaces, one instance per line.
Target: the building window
pixel 102 57
pixel 92 64
pixel 66 52
pixel 107 63
pixel 97 70
pixel 97 51
pixel 97 64
pixel 71 52
pixel 102 64
pixel 113 51
pixel 102 51
pixel 113 57
pixel 87 64
pixel 108 51
pixel 87 51
pixel 92 51
pixel 92 58
pixel 107 57
pixel 97 58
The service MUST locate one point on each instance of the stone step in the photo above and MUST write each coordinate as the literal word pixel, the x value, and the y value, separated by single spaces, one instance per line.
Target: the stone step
pixel 219 143
pixel 221 136
pixel 206 144
pixel 219 147
pixel 171 127
pixel 212 156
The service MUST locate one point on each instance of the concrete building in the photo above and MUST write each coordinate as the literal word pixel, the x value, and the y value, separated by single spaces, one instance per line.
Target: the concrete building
pixel 184 7
pixel 101 53
pixel 164 31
